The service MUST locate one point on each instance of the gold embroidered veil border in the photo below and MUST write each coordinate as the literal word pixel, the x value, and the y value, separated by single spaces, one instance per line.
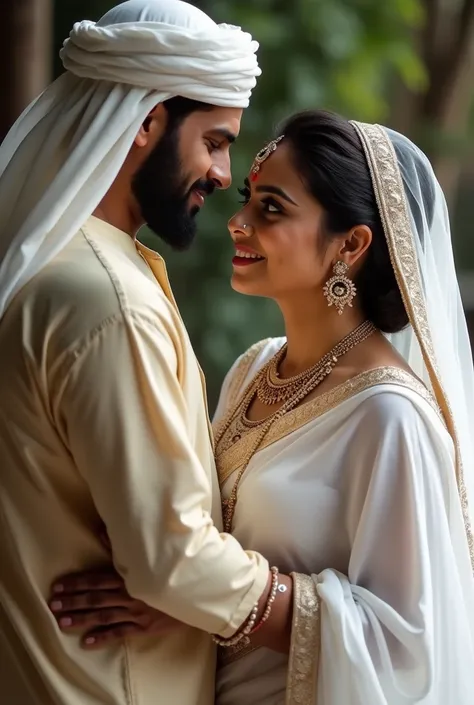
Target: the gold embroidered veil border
pixel 395 216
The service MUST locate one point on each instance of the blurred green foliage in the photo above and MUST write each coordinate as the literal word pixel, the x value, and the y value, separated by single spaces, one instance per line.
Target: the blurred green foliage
pixel 336 54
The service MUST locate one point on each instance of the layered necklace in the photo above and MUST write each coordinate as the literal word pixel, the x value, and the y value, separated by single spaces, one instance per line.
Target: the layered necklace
pixel 270 389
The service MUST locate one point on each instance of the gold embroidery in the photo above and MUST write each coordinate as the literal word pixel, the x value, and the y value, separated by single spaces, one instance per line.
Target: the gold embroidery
pixel 229 454
pixel 394 213
pixel 241 372
pixel 303 664
pixel 231 654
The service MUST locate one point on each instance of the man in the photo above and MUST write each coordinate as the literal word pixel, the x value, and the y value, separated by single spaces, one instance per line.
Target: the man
pixel 103 414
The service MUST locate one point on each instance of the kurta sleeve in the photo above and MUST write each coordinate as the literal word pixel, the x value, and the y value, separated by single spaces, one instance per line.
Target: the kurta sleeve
pixel 125 420
pixel 395 629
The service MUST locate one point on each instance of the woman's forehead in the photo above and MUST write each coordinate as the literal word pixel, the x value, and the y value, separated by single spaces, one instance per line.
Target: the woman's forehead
pixel 280 170
pixel 276 166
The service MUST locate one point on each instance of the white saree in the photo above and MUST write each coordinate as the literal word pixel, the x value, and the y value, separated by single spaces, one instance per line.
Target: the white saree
pixel 362 492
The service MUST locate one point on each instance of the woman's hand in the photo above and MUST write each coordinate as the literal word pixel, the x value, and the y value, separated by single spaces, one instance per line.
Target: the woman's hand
pixel 97 604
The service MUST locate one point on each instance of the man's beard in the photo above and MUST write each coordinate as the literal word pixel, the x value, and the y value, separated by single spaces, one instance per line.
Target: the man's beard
pixel 161 190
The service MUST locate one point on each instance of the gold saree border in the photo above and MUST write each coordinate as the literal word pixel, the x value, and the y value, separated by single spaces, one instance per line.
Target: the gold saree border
pixel 303 662
pixel 230 460
pixel 231 654
pixel 395 216
pixel 242 370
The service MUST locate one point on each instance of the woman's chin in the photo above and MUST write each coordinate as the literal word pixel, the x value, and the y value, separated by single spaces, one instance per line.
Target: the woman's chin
pixel 246 287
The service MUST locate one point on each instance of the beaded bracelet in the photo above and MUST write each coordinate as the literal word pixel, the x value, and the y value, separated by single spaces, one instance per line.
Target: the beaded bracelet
pixel 249 626
pixel 270 601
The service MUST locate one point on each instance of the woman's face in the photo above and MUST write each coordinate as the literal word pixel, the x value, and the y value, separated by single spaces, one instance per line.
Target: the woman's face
pixel 282 224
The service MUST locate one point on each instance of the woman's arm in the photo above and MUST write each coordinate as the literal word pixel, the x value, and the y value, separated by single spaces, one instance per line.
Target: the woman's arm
pixel 394 627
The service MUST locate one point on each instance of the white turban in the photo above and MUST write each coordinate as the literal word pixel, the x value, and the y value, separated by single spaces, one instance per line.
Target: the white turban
pixel 64 152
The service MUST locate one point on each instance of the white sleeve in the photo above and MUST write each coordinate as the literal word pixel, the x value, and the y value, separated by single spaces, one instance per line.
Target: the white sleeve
pixel 394 631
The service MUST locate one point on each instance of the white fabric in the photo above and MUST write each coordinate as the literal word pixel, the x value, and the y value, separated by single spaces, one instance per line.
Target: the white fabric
pixel 361 498
pixel 442 301
pixel 64 152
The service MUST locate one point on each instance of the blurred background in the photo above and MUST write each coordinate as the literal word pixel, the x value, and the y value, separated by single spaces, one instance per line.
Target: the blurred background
pixel 406 63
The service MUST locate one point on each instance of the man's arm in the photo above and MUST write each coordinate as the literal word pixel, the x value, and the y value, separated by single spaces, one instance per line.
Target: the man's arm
pixel 123 415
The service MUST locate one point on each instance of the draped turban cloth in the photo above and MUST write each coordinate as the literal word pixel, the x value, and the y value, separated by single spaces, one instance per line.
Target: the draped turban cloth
pixel 65 150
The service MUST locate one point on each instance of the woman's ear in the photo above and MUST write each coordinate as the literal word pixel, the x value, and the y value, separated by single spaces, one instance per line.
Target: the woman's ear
pixel 355 244
pixel 152 127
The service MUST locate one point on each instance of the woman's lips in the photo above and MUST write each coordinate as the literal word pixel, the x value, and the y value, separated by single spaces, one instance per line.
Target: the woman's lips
pixel 244 257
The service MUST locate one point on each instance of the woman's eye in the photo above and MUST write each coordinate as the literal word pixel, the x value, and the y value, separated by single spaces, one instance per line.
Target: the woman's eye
pixel 245 193
pixel 270 206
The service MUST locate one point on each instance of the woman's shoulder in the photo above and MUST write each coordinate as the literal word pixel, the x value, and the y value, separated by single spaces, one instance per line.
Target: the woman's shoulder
pixel 244 370
pixel 248 364
pixel 391 395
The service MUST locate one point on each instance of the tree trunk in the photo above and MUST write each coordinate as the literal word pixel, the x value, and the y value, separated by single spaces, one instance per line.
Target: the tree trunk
pixel 441 113
pixel 25 55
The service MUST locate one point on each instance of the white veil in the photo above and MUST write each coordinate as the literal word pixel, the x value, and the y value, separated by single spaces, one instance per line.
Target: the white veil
pixel 63 153
pixel 436 343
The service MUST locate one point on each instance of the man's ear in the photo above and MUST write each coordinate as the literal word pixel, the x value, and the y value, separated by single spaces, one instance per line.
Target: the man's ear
pixel 152 127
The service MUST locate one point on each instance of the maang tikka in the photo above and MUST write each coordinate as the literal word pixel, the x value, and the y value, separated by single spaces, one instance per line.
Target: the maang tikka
pixel 339 290
pixel 263 156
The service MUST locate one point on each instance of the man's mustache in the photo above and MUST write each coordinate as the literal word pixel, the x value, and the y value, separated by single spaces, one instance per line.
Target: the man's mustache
pixel 204 185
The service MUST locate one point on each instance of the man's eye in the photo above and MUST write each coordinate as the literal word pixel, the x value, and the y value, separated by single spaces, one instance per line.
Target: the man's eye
pixel 212 146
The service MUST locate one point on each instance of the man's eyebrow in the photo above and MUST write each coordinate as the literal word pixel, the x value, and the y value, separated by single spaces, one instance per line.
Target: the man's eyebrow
pixel 225 134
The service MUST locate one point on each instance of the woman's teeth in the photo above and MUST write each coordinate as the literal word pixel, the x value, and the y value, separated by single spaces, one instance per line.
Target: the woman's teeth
pixel 247 255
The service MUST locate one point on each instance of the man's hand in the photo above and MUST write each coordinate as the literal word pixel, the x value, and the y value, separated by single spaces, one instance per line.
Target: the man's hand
pixel 97 605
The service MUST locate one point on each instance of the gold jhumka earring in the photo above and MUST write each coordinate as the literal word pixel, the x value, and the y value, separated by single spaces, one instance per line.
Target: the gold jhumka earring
pixel 339 290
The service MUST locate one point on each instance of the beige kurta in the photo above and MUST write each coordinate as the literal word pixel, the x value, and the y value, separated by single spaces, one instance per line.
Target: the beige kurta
pixel 103 417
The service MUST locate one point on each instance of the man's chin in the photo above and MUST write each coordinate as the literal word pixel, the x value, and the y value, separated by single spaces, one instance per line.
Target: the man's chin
pixel 178 240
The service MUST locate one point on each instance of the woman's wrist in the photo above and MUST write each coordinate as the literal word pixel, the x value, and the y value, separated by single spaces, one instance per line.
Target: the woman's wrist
pixel 275 632
pixel 269 623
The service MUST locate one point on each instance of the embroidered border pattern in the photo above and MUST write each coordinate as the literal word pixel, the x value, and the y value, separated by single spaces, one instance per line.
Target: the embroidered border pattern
pixel 243 368
pixel 231 654
pixel 231 459
pixel 303 664
pixel 240 373
pixel 394 213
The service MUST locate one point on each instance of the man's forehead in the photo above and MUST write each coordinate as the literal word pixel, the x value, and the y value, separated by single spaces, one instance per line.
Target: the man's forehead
pixel 223 122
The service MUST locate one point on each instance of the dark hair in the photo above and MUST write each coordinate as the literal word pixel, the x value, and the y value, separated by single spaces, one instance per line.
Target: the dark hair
pixel 328 154
pixel 178 109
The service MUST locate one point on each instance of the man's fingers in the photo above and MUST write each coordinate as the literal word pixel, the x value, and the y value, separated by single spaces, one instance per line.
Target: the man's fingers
pixel 92 580
pixel 89 601
pixel 98 638
pixel 87 621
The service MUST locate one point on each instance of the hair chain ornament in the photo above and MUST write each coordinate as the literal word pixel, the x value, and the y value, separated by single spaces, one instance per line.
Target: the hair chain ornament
pixel 263 156
pixel 237 417
pixel 339 290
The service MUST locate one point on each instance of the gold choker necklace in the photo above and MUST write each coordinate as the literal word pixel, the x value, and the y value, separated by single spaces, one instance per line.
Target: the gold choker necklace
pixel 273 390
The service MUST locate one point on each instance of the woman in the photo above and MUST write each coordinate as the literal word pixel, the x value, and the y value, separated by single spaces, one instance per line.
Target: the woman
pixel 344 451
